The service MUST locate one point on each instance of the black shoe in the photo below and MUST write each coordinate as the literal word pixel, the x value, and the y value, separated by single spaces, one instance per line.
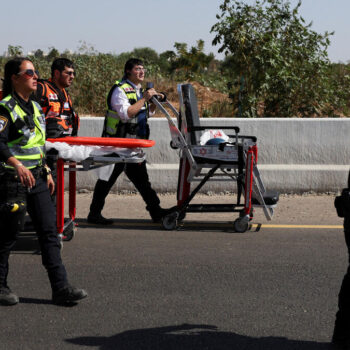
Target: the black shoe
pixel 340 345
pixel 158 215
pixel 99 220
pixel 340 338
pixel 68 295
pixel 7 297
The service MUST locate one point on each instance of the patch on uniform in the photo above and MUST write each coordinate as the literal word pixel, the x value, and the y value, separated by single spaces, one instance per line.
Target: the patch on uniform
pixel 3 122
pixel 53 97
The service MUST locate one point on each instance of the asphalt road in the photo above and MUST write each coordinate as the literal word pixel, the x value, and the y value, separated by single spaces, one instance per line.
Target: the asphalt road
pixel 200 287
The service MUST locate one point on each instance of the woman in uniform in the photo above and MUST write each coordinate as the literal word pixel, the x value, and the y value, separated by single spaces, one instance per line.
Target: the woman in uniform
pixel 26 182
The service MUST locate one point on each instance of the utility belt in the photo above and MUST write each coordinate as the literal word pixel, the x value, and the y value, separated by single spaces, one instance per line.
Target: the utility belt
pixel 131 130
pixel 13 195
pixel 11 174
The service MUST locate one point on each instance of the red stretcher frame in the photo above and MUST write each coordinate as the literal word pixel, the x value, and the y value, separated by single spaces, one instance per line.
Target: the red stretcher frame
pixel 72 168
pixel 60 193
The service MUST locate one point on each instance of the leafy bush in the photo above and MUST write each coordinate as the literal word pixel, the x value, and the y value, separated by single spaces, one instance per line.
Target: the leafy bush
pixel 279 66
pixel 263 73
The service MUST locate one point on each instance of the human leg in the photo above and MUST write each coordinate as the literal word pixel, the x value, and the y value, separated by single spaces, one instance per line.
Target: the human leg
pixel 101 191
pixel 12 212
pixel 341 332
pixel 8 237
pixel 42 212
pixel 137 173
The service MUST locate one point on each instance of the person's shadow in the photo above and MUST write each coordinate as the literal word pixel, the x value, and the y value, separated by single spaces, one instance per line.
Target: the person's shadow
pixel 192 337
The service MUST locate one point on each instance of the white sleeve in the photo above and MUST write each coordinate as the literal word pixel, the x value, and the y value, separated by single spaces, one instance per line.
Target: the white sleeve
pixel 120 104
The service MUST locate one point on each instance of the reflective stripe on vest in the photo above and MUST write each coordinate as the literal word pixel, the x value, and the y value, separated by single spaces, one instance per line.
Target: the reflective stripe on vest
pixel 112 118
pixel 29 147
pixel 59 113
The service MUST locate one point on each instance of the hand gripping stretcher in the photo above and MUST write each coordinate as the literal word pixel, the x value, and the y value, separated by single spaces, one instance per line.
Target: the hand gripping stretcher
pixel 113 150
pixel 233 160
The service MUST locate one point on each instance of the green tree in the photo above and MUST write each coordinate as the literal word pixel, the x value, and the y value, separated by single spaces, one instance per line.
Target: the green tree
pixel 14 50
pixel 39 53
pixel 190 62
pixel 53 53
pixel 278 64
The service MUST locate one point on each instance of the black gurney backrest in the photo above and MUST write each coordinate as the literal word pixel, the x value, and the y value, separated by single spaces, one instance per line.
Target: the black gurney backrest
pixel 191 112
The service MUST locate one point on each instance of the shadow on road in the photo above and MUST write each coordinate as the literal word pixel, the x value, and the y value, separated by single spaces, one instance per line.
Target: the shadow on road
pixel 24 300
pixel 34 301
pixel 192 337
pixel 137 224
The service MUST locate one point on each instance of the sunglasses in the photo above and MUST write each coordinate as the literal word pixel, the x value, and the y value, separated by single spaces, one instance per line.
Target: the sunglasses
pixel 70 73
pixel 29 72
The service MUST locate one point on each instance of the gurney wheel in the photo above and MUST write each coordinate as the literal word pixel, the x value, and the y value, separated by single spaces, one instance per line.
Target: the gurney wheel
pixel 172 145
pixel 240 225
pixel 69 232
pixel 169 222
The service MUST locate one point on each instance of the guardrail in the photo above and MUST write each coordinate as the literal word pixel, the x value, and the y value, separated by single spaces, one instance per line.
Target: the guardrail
pixel 295 155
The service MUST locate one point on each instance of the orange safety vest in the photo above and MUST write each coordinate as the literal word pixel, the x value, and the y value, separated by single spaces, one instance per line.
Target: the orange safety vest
pixel 61 119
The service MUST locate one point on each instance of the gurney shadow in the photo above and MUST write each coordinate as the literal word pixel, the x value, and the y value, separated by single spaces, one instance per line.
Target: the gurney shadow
pixel 27 243
pixel 187 225
pixel 192 337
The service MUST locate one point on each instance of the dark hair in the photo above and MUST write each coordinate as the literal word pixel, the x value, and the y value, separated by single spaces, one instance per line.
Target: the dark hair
pixel 11 67
pixel 130 64
pixel 60 64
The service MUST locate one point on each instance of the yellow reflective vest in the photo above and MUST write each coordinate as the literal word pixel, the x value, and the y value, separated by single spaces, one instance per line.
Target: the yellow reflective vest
pixel 29 147
pixel 112 120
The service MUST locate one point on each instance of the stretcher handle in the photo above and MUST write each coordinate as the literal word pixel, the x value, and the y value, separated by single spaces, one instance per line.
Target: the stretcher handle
pixel 253 138
pixel 199 128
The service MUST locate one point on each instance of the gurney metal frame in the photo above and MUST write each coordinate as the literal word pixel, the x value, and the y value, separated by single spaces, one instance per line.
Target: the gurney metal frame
pixel 233 160
pixel 67 230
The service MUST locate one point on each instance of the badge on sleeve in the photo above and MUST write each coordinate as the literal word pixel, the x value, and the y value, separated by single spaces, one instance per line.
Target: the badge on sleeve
pixel 3 122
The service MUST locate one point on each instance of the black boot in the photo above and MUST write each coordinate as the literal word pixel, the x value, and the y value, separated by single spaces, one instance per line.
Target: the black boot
pixel 7 297
pixel 158 214
pixel 68 295
pixel 99 220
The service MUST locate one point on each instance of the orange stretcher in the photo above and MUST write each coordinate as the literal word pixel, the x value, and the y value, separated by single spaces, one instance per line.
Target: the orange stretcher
pixel 67 229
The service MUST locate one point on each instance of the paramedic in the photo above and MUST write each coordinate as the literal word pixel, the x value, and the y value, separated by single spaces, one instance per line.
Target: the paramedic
pixel 341 334
pixel 128 108
pixel 60 116
pixel 26 183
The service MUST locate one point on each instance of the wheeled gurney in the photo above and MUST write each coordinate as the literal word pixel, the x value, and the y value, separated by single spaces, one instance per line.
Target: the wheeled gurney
pixel 112 153
pixel 234 160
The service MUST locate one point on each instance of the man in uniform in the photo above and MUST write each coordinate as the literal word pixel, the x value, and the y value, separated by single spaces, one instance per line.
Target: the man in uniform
pixel 341 333
pixel 128 108
pixel 61 119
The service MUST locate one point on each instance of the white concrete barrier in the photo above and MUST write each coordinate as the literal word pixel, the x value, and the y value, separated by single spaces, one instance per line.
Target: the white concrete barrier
pixel 295 155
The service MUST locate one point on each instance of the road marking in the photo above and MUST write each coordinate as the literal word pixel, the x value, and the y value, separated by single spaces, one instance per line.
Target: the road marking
pixel 217 224
pixel 299 226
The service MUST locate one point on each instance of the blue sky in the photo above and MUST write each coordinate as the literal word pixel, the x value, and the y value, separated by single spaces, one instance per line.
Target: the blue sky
pixel 117 26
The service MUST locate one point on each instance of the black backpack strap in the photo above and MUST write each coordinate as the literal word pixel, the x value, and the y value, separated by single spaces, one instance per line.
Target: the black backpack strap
pixel 109 97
